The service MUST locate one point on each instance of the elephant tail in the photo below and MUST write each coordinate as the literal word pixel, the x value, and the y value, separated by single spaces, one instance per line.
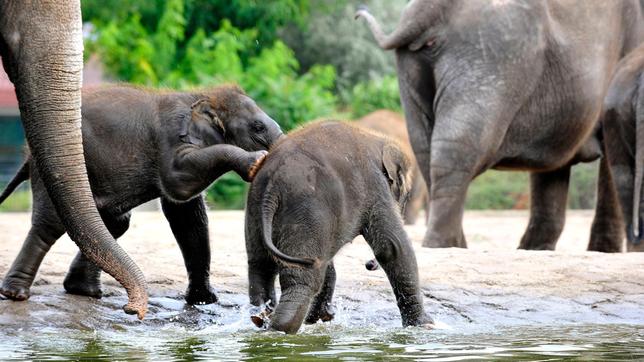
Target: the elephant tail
pixel 639 165
pixel 20 177
pixel 269 206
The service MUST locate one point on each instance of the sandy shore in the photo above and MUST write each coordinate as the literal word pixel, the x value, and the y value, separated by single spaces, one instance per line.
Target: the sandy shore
pixel 490 284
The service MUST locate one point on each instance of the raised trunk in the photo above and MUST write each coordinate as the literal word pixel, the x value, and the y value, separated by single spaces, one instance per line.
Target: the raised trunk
pixel 44 59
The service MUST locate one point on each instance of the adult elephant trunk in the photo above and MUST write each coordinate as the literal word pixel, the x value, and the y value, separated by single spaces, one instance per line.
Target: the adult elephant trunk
pixel 42 50
pixel 635 242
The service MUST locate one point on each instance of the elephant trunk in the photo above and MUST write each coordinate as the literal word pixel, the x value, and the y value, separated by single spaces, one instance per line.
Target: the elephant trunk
pixel 639 169
pixel 45 64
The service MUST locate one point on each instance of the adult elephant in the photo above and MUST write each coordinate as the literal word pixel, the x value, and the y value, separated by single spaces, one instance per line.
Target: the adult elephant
pixel 41 46
pixel 510 85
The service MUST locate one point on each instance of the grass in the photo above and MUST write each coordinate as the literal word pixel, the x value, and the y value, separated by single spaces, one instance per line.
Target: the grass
pixel 18 201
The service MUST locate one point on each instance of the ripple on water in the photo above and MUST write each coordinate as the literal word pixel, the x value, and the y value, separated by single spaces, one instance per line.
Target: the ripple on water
pixel 360 331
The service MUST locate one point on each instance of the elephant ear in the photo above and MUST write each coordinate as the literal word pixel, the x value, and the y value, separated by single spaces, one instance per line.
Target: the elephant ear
pixel 201 115
pixel 396 167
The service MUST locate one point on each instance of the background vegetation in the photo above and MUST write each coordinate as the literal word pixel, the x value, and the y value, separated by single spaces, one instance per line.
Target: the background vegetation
pixel 299 59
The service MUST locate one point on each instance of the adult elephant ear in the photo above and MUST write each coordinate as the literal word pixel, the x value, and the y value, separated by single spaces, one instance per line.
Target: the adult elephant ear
pixel 42 51
pixel 396 166
pixel 201 114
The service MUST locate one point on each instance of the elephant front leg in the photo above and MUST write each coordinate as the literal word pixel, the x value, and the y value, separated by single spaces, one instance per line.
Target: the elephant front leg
pixel 548 197
pixel 321 309
pixel 391 246
pixel 606 233
pixel 84 277
pixel 299 286
pixel 189 224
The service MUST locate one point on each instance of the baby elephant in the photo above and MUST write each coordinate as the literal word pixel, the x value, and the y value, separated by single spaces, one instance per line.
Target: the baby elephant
pixel 140 145
pixel 317 190
pixel 623 127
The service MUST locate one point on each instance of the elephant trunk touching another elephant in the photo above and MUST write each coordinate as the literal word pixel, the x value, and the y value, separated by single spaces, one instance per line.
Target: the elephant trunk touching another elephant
pixel 42 51
pixel 510 85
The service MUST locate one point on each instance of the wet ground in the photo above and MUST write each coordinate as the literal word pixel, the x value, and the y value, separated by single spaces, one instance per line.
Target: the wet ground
pixel 489 301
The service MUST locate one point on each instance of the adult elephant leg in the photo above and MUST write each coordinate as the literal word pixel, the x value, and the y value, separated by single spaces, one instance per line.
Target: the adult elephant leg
pixel 42 51
pixel 84 277
pixel 388 240
pixel 548 196
pixel 607 231
pixel 46 228
pixel 321 309
pixel 189 224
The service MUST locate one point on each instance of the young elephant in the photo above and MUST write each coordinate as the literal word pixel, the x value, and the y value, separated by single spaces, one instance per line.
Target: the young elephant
pixel 623 127
pixel 317 190
pixel 140 145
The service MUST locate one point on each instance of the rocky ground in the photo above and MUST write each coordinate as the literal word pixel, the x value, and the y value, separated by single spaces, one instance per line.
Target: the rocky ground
pixel 489 284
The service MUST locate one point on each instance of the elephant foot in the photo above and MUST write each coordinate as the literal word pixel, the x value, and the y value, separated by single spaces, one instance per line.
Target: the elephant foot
pixel 606 243
pixel 14 290
pixel 444 243
pixel 633 247
pixel 256 164
pixel 80 288
pixel 536 245
pixel 81 284
pixel 200 296
pixel 424 321
pixel 325 313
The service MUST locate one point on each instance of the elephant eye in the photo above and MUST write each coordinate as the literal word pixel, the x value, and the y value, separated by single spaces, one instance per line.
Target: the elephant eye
pixel 258 126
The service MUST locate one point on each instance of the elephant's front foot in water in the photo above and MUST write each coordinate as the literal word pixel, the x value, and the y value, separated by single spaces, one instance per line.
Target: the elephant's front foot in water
pixel 83 278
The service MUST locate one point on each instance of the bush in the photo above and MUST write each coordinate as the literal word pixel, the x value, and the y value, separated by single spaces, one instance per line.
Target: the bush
pixel 373 95
pixel 131 53
pixel 20 200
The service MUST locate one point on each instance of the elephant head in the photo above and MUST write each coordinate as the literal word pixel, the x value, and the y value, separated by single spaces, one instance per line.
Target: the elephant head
pixel 228 115
pixel 42 51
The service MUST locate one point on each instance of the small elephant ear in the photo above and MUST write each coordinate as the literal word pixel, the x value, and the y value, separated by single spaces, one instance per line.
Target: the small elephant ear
pixel 395 165
pixel 202 109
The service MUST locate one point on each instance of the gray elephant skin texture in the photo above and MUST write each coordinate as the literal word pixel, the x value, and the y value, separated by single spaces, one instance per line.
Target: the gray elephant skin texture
pixel 510 85
pixel 623 127
pixel 319 188
pixel 140 145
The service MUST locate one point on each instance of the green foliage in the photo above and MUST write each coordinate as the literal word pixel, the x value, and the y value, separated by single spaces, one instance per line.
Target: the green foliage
pixel 583 186
pixel 271 76
pixel 497 190
pixel 20 200
pixel 373 95
pixel 228 192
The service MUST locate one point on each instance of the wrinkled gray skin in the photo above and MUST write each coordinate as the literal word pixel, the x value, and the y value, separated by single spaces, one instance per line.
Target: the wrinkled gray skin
pixel 623 127
pixel 393 125
pixel 41 46
pixel 510 85
pixel 317 190
pixel 140 145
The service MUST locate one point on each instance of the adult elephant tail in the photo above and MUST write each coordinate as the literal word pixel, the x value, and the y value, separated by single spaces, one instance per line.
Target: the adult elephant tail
pixel 18 178
pixel 639 167
pixel 42 52
pixel 269 206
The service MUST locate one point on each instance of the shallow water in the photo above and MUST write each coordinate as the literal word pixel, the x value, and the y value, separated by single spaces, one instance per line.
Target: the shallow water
pixel 359 332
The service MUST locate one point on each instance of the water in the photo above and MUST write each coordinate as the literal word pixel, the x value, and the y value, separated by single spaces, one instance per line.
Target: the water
pixel 359 332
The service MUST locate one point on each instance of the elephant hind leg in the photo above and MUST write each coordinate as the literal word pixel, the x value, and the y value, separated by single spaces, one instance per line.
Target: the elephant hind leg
pixel 46 228
pixel 548 196
pixel 84 277
pixel 321 309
